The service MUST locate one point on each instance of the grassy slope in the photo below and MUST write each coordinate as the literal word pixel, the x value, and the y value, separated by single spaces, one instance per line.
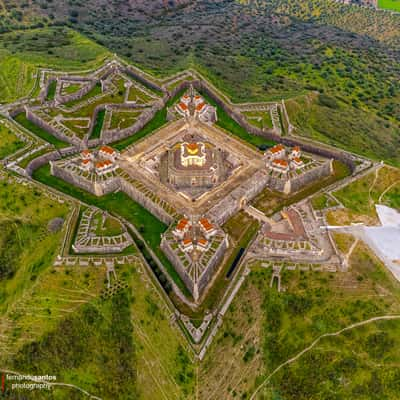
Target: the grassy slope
pixel 119 203
pixel 360 197
pixel 52 321
pixel 48 137
pixel 28 248
pixel 22 52
pixel 9 142
pixel 245 349
pixel 389 5
pixel 340 126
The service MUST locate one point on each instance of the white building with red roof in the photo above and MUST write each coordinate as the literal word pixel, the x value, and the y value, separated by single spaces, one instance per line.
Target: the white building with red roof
pixel 296 152
pixel 181 228
pixel 276 152
pixel 207 228
pixel 187 245
pixel 102 167
pixel 297 162
pixel 86 165
pixel 280 165
pixel 86 155
pixel 108 153
pixel 202 244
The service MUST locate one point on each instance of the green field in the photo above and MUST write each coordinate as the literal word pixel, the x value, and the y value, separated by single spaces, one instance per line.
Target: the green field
pixel 9 142
pixel 22 52
pixel 36 130
pixel 337 124
pixel 389 5
pixel 246 349
pixel 119 204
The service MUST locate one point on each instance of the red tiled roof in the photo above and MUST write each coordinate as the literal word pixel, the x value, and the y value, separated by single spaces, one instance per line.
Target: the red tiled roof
pixel 107 163
pixel 203 242
pixel 277 148
pixel 99 165
pixel 182 224
pixel 282 163
pixel 183 106
pixel 296 148
pixel 297 160
pixel 107 149
pixel 200 107
pixel 187 242
pixel 206 224
pixel 85 162
pixel 86 152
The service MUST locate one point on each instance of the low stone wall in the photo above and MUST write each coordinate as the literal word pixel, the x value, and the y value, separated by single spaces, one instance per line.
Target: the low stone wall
pixel 311 176
pixel 269 134
pixel 146 202
pixel 45 90
pixel 213 264
pixel 178 265
pixel 42 160
pixel 109 136
pixel 141 78
pixel 239 197
pixel 31 116
pixel 79 93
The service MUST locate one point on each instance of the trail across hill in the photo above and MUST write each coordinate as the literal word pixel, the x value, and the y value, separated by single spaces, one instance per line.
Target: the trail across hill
pixel 315 342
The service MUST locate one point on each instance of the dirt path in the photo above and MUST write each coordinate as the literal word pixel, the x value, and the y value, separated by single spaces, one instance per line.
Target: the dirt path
pixel 315 342
pixel 386 190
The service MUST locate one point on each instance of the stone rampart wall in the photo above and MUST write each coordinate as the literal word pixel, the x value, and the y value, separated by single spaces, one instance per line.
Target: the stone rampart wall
pixel 31 116
pixel 269 134
pixel 177 263
pixel 212 265
pixel 42 160
pixel 141 78
pixel 145 201
pixel 311 176
pixel 78 94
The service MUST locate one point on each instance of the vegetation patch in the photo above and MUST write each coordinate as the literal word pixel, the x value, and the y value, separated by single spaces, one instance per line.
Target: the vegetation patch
pixel 9 142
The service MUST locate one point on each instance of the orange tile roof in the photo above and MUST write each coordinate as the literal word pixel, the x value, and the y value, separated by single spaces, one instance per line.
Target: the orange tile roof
pixel 85 162
pixel 186 242
pixel 282 163
pixel 200 107
pixel 203 242
pixel 297 159
pixel 99 165
pixel 182 224
pixel 107 149
pixel 204 222
pixel 107 163
pixel 197 97
pixel 277 148
pixel 183 106
pixel 296 148
pixel 86 152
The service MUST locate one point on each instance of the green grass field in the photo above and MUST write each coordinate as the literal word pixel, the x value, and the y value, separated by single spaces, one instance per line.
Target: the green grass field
pixel 389 5
pixel 120 204
pixel 23 52
pixel 247 349
pixel 9 142
pixel 26 246
pixel 36 130
pixel 343 126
